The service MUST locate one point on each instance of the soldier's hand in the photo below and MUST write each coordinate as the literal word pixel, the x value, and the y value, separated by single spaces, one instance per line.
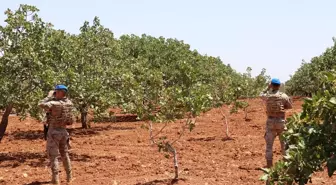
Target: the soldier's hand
pixel 51 93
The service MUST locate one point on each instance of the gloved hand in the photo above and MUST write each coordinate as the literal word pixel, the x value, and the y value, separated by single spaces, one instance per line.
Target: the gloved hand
pixel 51 93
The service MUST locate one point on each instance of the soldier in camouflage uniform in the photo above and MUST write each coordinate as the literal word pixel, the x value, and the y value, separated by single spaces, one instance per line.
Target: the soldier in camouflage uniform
pixel 60 109
pixel 46 127
pixel 276 104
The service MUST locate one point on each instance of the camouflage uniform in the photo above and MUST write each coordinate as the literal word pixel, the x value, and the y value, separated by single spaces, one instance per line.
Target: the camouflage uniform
pixel 276 103
pixel 46 126
pixel 60 117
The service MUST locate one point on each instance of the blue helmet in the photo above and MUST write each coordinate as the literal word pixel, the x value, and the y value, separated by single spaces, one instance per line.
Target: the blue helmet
pixel 61 87
pixel 275 81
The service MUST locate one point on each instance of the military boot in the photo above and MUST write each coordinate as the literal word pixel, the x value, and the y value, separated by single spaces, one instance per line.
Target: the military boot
pixel 67 167
pixel 54 170
pixel 55 179
pixel 68 144
pixel 269 163
pixel 69 176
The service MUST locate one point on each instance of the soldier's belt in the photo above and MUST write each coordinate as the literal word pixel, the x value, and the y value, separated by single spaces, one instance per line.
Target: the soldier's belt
pixel 57 126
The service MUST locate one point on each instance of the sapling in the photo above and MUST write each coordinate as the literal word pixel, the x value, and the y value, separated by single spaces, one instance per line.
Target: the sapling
pixel 224 118
pixel 167 146
pixel 234 109
pixel 245 106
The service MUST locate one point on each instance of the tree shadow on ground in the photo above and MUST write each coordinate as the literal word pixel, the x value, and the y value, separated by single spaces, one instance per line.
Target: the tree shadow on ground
pixel 202 139
pixel 18 158
pixel 37 183
pixel 40 159
pixel 80 132
pixel 162 181
pixel 74 132
pixel 228 139
pixel 27 135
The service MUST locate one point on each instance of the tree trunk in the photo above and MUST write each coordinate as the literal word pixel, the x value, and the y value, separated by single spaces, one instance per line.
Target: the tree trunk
pixel 175 164
pixel 151 133
pixel 245 112
pixel 4 120
pixel 226 126
pixel 84 119
pixel 172 150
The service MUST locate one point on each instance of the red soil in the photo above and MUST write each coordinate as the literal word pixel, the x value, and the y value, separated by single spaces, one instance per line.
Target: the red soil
pixel 119 153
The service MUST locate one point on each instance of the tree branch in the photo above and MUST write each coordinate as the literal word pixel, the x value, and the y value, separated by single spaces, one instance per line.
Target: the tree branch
pixel 182 133
pixel 151 132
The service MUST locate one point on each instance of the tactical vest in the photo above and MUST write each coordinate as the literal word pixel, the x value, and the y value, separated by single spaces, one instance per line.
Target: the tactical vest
pixel 61 114
pixel 275 105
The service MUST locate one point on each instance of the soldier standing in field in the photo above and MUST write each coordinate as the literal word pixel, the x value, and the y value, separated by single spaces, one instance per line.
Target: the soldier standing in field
pixel 276 104
pixel 60 108
pixel 46 125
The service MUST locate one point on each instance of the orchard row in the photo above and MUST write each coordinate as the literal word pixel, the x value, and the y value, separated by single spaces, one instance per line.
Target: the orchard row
pixel 157 79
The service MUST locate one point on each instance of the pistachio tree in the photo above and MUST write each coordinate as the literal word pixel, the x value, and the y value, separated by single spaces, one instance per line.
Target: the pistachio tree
pixel 305 81
pixel 90 69
pixel 22 62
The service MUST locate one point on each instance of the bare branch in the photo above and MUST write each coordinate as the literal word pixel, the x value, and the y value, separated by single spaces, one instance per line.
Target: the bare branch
pixel 183 131
pixel 161 130
pixel 152 138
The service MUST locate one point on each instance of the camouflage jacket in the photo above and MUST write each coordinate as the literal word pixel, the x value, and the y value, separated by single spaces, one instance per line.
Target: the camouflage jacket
pixel 276 102
pixel 61 112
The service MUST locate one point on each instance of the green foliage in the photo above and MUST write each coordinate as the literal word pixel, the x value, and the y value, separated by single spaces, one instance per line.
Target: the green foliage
pixel 158 79
pixel 91 69
pixel 310 136
pixel 244 86
pixel 305 80
pixel 23 68
pixel 168 79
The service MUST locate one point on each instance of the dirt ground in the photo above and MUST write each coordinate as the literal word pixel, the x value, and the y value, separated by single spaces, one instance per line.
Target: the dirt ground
pixel 119 153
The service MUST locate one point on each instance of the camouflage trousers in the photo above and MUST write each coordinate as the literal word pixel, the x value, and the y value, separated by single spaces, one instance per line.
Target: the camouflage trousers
pixel 274 127
pixel 57 145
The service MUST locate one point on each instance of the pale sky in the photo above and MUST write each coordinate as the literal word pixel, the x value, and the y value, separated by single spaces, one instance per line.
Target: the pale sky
pixel 275 35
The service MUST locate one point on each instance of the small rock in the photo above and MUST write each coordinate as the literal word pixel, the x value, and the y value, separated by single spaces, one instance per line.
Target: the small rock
pixel 248 153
